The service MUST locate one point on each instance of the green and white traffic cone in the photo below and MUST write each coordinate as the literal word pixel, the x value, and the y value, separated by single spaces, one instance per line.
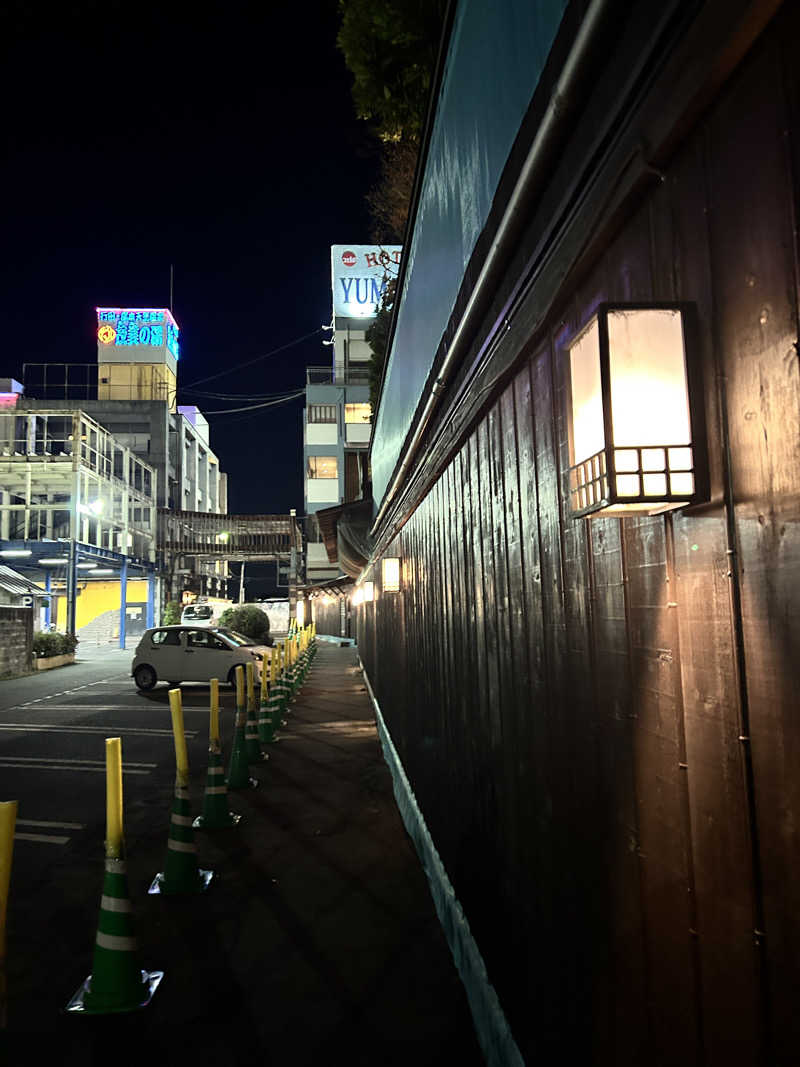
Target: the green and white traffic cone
pixel 181 873
pixel 266 729
pixel 254 753
pixel 274 708
pixel 238 769
pixel 117 982
pixel 215 815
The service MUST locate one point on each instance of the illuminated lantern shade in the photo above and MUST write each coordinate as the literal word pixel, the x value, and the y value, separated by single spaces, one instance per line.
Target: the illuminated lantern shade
pixel 391 574
pixel 301 612
pixel 635 441
pixel 368 591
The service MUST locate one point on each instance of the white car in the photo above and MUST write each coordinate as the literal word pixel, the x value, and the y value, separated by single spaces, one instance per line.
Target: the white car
pixel 175 654
pixel 198 615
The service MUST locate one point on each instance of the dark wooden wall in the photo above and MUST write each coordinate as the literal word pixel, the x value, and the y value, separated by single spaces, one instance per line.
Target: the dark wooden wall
pixel 601 719
pixel 329 619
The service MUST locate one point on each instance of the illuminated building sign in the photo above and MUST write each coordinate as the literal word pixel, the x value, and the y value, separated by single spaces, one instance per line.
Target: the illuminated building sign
pixel 124 327
pixel 360 274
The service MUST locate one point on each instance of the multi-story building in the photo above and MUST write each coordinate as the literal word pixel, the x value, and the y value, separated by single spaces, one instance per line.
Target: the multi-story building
pixel 132 392
pixel 337 417
pixel 77 507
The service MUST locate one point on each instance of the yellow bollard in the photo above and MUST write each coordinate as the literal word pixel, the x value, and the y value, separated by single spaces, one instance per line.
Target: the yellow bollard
pixel 8 820
pixel 239 687
pixel 264 682
pixel 213 728
pixel 181 755
pixel 114 842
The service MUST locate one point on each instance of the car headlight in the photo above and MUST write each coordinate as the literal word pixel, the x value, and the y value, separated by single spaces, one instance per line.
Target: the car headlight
pixel 257 655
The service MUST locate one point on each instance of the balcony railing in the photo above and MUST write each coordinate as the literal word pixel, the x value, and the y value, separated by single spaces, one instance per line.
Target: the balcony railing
pixel 327 376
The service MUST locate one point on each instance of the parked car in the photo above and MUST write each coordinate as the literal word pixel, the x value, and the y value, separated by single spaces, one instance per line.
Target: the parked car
pixel 198 615
pixel 175 654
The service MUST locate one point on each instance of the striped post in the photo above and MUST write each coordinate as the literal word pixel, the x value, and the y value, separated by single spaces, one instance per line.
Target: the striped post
pixel 117 983
pixel 276 689
pixel 238 773
pixel 266 730
pixel 254 753
pixel 181 873
pixel 215 814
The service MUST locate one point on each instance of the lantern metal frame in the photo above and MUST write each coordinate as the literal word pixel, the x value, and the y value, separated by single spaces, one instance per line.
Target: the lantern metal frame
pixel 591 483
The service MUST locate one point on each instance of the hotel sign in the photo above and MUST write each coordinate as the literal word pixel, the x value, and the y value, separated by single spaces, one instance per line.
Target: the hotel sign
pixel 359 277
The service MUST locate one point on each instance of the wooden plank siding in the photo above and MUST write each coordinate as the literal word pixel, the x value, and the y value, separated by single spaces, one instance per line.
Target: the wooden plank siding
pixel 600 718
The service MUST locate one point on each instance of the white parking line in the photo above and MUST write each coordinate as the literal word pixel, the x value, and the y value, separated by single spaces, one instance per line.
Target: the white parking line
pixel 53 825
pixel 43 839
pixel 34 763
pixel 108 731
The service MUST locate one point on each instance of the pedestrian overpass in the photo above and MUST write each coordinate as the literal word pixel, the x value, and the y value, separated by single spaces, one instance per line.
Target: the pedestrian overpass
pixel 211 538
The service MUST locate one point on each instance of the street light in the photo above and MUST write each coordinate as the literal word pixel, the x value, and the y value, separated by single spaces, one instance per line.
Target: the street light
pixel 635 437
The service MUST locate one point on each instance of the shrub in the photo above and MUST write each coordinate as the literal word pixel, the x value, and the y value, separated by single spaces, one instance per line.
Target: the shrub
pixel 248 620
pixel 52 644
pixel 171 614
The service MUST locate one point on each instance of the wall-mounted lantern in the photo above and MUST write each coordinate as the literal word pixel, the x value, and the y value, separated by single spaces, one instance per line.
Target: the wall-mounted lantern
pixel 635 417
pixel 390 571
pixel 357 597
pixel 300 612
pixel 368 591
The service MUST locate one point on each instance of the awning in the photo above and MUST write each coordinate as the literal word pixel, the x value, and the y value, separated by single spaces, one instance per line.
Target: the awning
pixel 336 587
pixel 345 530
pixel 15 584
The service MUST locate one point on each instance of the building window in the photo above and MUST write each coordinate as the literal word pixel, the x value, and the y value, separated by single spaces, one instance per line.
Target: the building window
pixel 358 413
pixel 323 467
pixel 322 413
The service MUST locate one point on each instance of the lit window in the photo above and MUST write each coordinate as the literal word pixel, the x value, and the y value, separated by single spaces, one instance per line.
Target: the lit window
pixel 322 413
pixel 323 467
pixel 358 413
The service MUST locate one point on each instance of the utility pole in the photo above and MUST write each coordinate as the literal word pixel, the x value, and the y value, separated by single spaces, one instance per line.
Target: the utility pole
pixel 293 565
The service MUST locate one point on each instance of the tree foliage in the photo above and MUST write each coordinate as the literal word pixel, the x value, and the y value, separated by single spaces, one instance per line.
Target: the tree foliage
pixel 171 614
pixel 390 48
pixel 247 619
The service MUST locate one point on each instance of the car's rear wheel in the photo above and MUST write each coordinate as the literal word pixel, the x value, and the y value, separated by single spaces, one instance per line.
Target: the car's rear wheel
pixel 145 677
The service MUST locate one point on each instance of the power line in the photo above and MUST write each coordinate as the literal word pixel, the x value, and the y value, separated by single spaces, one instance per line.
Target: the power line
pixel 256 359
pixel 256 407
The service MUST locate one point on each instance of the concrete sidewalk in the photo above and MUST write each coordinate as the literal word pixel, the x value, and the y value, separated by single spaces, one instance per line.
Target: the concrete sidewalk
pixel 317 942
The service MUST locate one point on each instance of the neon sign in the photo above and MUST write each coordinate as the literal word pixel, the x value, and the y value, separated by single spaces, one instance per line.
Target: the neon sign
pixel 123 327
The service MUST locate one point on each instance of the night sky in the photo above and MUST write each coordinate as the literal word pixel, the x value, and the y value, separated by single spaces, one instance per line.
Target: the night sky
pixel 220 138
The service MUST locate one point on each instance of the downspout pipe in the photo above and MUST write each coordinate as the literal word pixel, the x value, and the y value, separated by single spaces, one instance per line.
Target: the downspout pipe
pixel 556 115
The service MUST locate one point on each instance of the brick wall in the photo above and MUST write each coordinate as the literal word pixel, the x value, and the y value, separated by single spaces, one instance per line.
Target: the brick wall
pixel 16 640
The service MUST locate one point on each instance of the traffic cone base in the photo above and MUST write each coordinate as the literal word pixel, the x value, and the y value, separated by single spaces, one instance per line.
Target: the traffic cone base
pixel 204 823
pixel 161 885
pixel 77 1006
